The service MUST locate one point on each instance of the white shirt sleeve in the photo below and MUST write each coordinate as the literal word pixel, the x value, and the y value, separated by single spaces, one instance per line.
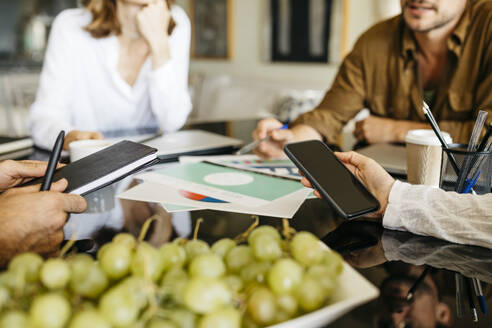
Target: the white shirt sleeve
pixel 423 210
pixel 50 112
pixel 170 99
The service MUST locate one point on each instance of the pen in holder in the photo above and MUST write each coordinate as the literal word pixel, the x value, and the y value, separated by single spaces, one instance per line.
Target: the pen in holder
pixel 475 170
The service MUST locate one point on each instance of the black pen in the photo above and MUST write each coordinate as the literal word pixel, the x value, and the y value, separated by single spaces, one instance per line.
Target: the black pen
pixel 437 131
pixel 469 292
pixel 483 144
pixel 412 290
pixel 53 161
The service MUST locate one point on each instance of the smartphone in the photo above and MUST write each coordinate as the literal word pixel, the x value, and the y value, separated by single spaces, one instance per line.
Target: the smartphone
pixel 332 179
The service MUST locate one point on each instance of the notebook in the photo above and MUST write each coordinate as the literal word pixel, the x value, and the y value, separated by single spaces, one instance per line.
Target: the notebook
pixel 10 146
pixel 192 142
pixel 105 167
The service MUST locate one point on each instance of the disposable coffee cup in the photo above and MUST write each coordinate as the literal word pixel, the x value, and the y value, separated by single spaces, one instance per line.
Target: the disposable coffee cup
pixel 424 153
pixel 82 148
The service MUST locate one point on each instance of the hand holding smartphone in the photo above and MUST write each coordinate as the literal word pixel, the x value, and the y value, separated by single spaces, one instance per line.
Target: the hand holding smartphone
pixel 329 176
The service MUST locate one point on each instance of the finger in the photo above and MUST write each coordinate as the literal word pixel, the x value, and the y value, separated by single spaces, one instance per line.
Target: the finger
pixel 25 169
pixel 300 173
pixel 316 193
pixel 59 186
pixel 350 157
pixel 266 126
pixel 24 190
pixel 73 203
pixel 50 244
pixel 97 136
pixel 270 149
pixel 305 182
pixel 282 135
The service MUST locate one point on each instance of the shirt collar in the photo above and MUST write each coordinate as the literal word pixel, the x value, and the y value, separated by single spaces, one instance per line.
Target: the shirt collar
pixel 454 42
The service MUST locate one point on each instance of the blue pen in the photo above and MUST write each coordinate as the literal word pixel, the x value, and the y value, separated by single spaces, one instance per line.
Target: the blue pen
pixel 249 147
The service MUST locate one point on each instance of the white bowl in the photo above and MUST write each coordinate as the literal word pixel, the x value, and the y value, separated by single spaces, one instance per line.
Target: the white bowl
pixel 352 290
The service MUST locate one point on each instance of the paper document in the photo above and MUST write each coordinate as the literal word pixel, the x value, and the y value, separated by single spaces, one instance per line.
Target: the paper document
pixel 284 207
pixel 252 163
pixel 226 184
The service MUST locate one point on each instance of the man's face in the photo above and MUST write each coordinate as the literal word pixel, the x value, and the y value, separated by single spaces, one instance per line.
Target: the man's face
pixel 425 311
pixel 427 15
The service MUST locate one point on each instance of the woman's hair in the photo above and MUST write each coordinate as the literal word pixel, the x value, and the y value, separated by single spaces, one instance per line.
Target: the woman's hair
pixel 104 19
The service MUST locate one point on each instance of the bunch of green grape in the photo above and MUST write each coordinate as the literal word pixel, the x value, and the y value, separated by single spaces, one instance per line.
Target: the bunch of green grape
pixel 185 283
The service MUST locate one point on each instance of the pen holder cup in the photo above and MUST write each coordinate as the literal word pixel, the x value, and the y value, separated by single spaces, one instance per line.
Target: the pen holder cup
pixel 475 170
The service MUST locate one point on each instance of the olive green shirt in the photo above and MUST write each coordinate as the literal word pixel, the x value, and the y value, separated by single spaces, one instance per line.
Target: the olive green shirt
pixel 381 73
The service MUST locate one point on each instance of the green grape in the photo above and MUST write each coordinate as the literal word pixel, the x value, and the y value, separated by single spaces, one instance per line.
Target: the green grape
pixel 4 297
pixel 234 283
pixel 310 294
pixel 306 248
pixel 88 279
pixel 15 319
pixel 281 316
pixel 8 280
pixel 115 260
pixel 126 239
pixel 118 306
pixel 255 272
pixel 238 257
pixel 79 260
pixel 136 287
pixel 223 246
pixel 55 273
pixel 174 284
pixel 324 275
pixel 287 304
pixel 264 230
pixel 196 247
pixel 172 255
pixel 266 248
pixel 50 311
pixel 102 250
pixel 284 276
pixel 146 262
pixel 208 265
pixel 334 262
pixel 160 323
pixel 248 322
pixel 222 318
pixel 204 295
pixel 89 318
pixel 27 263
pixel 183 318
pixel 261 306
pixel 173 275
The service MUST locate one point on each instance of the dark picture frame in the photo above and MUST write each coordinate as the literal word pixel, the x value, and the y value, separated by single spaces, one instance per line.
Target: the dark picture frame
pixel 300 30
pixel 212 28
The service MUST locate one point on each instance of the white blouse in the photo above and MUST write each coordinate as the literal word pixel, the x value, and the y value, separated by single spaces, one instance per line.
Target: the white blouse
pixel 81 88
pixel 458 218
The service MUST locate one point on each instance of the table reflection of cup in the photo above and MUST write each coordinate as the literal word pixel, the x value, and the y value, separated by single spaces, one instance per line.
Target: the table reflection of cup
pixel 424 154
pixel 82 148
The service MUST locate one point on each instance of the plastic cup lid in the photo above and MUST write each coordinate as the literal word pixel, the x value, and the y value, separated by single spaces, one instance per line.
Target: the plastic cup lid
pixel 426 137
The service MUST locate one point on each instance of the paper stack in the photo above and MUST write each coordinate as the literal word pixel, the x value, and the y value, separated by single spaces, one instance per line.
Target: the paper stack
pixel 226 184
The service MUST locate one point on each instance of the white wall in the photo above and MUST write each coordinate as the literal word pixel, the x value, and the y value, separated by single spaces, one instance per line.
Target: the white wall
pixel 249 62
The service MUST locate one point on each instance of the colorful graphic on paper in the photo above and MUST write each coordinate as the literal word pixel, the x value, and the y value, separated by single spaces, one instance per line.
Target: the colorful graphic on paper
pixel 261 190
pixel 200 198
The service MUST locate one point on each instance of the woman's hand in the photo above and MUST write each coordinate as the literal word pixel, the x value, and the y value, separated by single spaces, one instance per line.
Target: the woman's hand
pixel 370 173
pixel 153 23
pixel 75 135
